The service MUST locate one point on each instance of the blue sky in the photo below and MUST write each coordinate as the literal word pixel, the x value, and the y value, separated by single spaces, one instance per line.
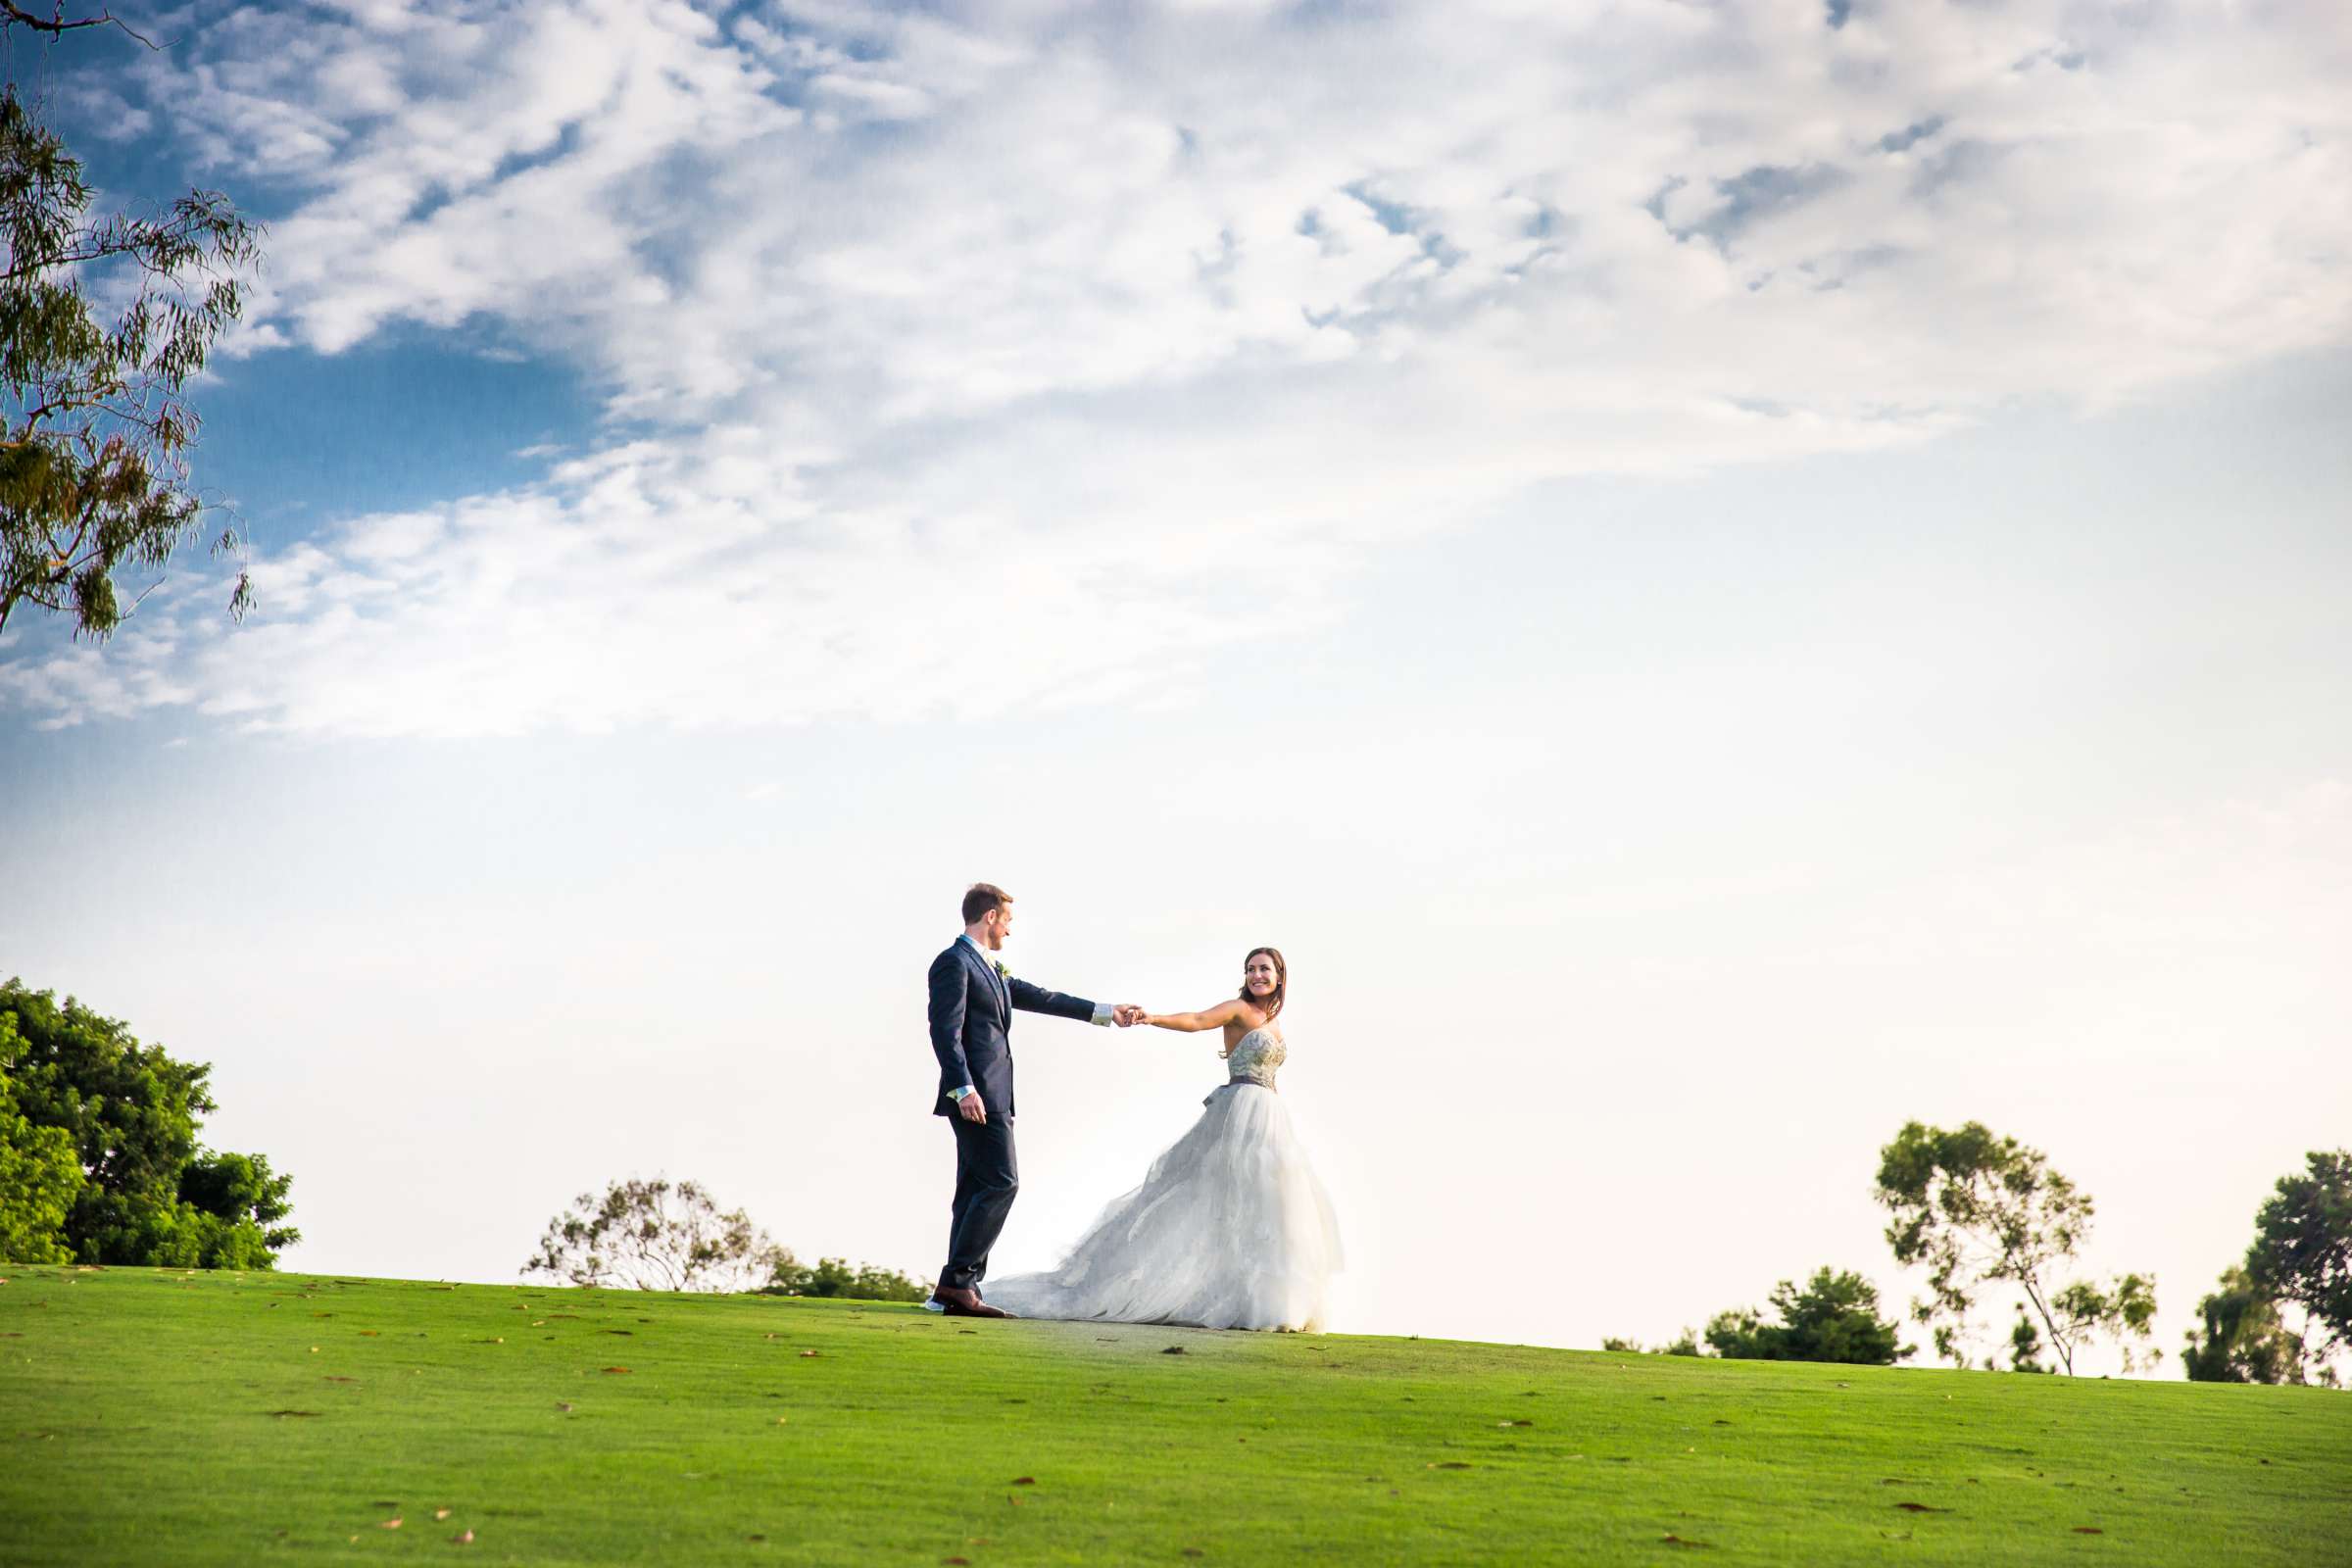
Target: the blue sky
pixel 1740 581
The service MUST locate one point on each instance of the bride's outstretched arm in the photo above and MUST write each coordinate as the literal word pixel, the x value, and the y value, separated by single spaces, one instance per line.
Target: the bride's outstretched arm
pixel 1216 1018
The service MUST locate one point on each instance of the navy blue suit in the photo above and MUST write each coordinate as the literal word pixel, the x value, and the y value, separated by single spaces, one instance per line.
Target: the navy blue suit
pixel 971 1026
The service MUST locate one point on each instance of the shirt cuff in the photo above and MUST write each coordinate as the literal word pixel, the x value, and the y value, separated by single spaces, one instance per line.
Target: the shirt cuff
pixel 959 1094
pixel 1101 1012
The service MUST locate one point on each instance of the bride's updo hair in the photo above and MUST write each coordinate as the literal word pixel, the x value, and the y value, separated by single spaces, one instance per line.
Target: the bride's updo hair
pixel 1281 982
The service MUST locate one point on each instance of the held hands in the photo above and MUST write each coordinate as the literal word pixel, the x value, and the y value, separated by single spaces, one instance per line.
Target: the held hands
pixel 1127 1014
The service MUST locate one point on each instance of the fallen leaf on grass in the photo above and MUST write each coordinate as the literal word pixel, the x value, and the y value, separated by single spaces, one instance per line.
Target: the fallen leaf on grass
pixel 965 1560
pixel 389 1524
pixel 440 1513
pixel 1671 1540
pixel 1178 1350
pixel 281 1414
pixel 1514 1423
pixel 808 1356
pixel 2088 1530
pixel 757 1541
pixel 501 1340
pixel 369 1334
pixel 1195 1552
pixel 1010 1497
pixel 463 1538
pixel 1919 1508
pixel 331 1378
pixel 1024 1481
pixel 1449 1464
pixel 616 1369
pixel 782 1419
pixel 561 1405
pixel 623 1332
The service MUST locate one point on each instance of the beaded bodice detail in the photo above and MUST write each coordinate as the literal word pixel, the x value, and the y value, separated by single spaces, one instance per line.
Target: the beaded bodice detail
pixel 1255 1057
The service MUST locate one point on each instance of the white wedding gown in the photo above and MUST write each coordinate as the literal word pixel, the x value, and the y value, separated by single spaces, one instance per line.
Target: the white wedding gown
pixel 1231 1229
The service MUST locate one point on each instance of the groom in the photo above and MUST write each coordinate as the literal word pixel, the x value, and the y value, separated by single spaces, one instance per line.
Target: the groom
pixel 972 1002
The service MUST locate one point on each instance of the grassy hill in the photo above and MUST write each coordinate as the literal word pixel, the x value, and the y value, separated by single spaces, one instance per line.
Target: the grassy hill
pixel 155 1417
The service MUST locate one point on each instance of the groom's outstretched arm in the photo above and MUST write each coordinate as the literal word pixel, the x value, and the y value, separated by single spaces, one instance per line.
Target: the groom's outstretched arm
pixel 1037 999
pixel 949 989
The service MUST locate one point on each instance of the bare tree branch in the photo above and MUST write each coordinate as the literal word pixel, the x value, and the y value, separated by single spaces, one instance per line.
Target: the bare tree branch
pixel 56 25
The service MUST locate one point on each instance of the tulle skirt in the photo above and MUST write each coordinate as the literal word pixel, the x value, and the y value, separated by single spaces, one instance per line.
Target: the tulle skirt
pixel 1231 1230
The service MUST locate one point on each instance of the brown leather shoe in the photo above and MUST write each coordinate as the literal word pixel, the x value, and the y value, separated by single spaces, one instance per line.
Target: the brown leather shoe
pixel 957 1302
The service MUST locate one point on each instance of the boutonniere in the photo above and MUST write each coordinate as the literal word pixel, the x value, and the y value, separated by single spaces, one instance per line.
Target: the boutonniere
pixel 1003 974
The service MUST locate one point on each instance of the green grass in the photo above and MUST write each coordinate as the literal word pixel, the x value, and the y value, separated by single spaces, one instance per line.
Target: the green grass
pixel 155 1417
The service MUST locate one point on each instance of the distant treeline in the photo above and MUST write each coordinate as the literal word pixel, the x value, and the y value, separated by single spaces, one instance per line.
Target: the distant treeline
pixel 1983 1212
pixel 662 1235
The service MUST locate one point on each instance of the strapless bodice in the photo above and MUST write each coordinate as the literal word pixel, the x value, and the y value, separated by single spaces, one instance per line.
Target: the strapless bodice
pixel 1255 1057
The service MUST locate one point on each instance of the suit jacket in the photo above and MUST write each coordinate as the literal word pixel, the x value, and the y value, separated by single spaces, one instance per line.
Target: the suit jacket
pixel 971 1024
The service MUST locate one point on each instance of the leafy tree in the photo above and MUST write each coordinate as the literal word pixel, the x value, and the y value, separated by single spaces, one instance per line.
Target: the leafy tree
pixel 833 1276
pixel 1977 1209
pixel 2241 1339
pixel 2123 1311
pixel 95 422
pixel 39 1175
pixel 1834 1318
pixel 2302 1252
pixel 1686 1344
pixel 151 1194
pixel 656 1234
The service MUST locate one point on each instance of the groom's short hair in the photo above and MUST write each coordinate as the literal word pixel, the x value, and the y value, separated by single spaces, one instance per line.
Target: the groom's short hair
pixel 982 897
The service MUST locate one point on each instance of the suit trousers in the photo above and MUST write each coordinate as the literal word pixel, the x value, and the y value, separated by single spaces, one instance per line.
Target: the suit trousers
pixel 987 1177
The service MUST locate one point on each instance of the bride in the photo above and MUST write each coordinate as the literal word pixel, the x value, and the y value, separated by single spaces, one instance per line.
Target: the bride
pixel 1231 1229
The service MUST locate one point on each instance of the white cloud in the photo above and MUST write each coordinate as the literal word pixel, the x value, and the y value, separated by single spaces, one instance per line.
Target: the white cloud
pixel 1032 323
